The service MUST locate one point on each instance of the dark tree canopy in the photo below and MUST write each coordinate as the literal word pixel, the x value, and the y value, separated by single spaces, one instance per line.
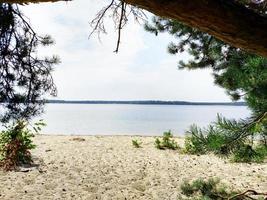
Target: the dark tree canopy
pixel 24 78
pixel 240 23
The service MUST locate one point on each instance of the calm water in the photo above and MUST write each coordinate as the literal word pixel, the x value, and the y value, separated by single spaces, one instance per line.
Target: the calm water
pixel 95 119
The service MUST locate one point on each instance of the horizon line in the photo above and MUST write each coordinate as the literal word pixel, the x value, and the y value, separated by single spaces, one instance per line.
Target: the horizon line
pixel 133 100
pixel 144 102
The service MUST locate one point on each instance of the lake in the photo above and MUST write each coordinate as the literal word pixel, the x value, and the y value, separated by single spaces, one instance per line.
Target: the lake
pixel 119 119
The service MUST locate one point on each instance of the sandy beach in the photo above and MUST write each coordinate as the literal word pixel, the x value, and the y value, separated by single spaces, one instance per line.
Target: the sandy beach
pixel 109 167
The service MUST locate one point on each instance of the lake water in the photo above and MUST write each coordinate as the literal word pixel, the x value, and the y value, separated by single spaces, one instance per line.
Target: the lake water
pixel 115 119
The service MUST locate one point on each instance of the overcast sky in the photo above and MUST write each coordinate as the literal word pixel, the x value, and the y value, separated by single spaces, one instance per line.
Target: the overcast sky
pixel 142 70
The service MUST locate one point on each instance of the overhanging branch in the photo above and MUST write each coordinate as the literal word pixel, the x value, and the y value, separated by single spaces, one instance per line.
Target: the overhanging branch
pixel 226 20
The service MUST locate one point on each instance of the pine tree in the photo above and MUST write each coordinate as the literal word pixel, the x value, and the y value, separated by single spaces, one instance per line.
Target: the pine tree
pixel 24 78
pixel 243 75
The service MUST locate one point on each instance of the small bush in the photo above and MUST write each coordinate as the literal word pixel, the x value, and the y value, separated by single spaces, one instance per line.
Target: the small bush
pixel 167 142
pixel 246 153
pixel 16 143
pixel 212 189
pixel 227 138
pixel 136 143
pixel 158 144
pixel 261 149
pixel 206 189
pixel 194 144
pixel 210 139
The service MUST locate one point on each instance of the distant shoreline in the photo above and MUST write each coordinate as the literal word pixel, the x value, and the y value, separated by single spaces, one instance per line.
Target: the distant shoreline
pixel 148 102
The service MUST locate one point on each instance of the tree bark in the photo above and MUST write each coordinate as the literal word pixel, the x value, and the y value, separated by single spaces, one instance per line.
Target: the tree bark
pixel 224 19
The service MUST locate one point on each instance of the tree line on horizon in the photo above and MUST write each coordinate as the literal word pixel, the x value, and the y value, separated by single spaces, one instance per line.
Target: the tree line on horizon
pixel 148 102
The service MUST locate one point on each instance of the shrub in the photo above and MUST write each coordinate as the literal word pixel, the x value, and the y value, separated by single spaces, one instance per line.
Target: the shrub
pixel 207 189
pixel 158 144
pixel 136 143
pixel 194 142
pixel 261 149
pixel 215 138
pixel 16 143
pixel 246 153
pixel 212 189
pixel 167 142
pixel 227 138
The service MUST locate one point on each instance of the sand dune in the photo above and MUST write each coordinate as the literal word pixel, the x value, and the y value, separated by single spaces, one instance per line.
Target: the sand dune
pixel 108 167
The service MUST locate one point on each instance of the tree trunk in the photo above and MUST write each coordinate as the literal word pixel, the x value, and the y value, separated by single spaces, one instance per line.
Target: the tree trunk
pixel 226 20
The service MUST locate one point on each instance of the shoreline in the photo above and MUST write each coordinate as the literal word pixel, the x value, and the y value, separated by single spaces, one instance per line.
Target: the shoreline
pixel 107 135
pixel 109 167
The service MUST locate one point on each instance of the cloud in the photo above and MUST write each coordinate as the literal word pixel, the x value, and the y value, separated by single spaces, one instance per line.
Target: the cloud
pixel 90 70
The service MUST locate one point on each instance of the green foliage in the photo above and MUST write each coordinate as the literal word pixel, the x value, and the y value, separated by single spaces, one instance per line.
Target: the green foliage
pixel 205 189
pixel 25 77
pixel 16 143
pixel 136 143
pixel 228 138
pixel 158 144
pixel 212 189
pixel 167 142
pixel 193 144
pixel 243 75
pixel 246 153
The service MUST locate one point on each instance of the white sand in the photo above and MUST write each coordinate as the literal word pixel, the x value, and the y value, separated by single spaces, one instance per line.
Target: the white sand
pixel 109 167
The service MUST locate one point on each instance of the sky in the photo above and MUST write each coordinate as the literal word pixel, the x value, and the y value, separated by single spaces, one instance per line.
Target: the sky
pixel 90 70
